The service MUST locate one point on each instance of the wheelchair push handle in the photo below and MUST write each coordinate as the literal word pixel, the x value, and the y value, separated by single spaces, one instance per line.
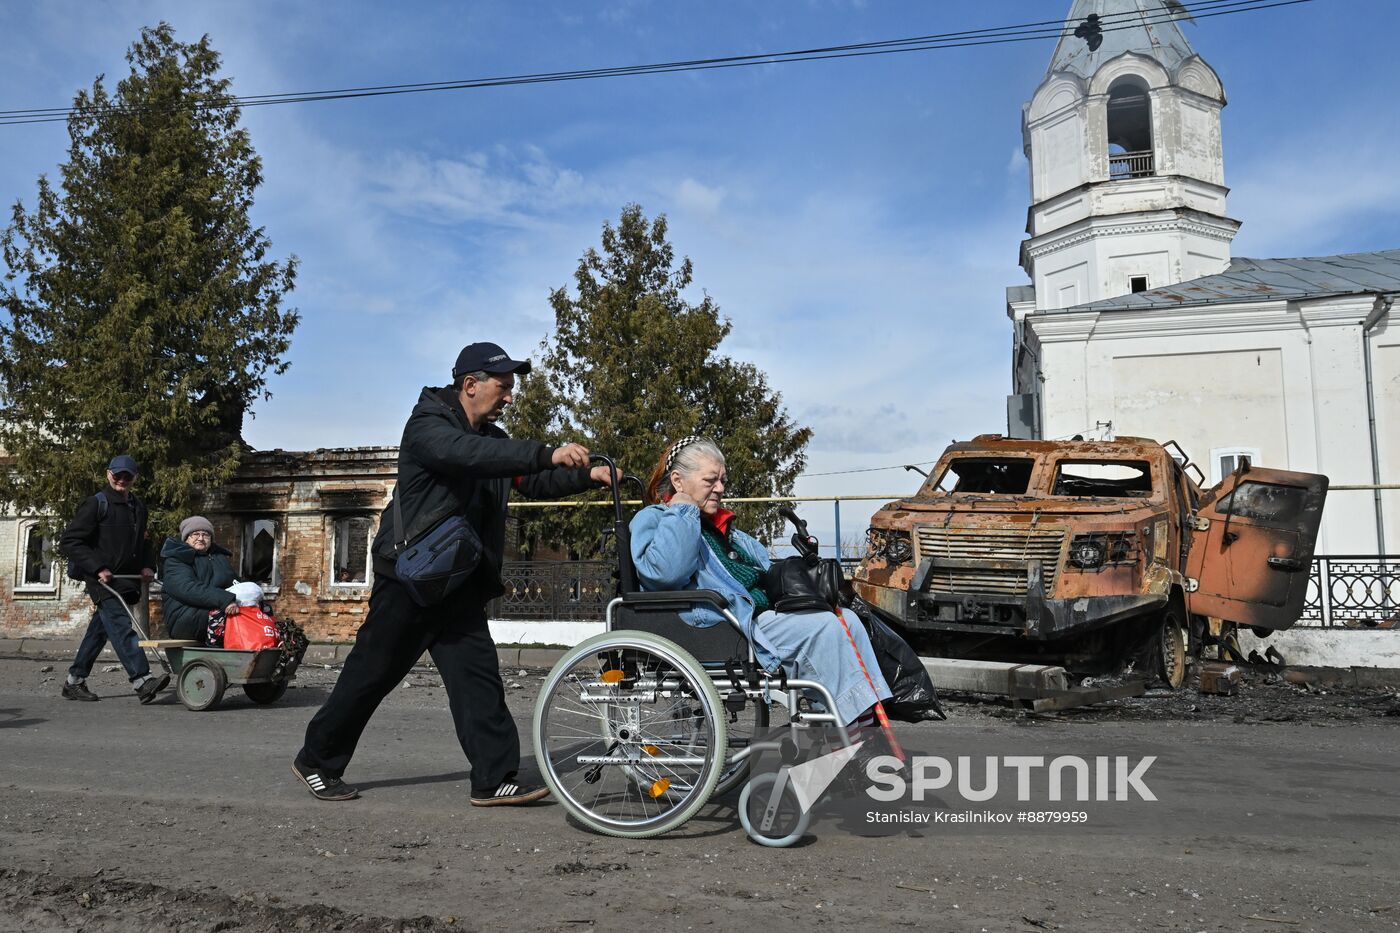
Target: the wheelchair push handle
pixel 626 576
pixel 616 481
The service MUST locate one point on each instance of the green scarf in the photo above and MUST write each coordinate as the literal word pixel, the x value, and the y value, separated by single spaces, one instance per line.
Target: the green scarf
pixel 740 565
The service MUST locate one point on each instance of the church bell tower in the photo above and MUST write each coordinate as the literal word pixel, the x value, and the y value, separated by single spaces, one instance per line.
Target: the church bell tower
pixel 1126 169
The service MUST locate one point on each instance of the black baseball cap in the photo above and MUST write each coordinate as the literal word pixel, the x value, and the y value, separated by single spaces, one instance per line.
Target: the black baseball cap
pixel 487 358
pixel 121 463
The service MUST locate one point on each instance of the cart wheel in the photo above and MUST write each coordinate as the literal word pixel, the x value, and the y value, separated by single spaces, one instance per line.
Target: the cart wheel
pixel 263 694
pixel 201 685
pixel 774 823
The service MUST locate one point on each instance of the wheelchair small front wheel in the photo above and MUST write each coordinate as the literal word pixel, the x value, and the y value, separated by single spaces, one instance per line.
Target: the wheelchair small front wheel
pixel 629 734
pixel 770 811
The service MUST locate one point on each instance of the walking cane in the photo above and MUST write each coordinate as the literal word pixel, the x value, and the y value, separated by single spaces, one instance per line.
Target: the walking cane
pixel 807 546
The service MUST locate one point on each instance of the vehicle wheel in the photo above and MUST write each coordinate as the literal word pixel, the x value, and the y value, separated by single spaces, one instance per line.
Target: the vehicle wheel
pixel 1169 649
pixel 201 685
pixel 264 694
pixel 777 824
pixel 630 734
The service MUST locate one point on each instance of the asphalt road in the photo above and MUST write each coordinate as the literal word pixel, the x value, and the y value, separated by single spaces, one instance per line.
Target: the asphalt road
pixel 115 816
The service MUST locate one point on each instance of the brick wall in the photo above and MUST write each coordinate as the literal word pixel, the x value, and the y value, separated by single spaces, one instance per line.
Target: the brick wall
pixel 303 492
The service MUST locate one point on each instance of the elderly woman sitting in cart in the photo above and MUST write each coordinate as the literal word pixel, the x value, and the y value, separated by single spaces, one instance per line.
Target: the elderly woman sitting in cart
pixel 685 540
pixel 195 579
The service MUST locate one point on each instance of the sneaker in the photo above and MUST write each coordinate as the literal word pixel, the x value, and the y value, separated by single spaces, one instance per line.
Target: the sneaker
pixel 152 686
pixel 79 691
pixel 324 786
pixel 509 793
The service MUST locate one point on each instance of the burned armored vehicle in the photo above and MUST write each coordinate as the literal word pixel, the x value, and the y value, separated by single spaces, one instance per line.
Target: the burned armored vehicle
pixel 1090 553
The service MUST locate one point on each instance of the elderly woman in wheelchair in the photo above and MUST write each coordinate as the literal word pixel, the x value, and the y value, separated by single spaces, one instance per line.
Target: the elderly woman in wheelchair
pixel 631 732
pixel 687 540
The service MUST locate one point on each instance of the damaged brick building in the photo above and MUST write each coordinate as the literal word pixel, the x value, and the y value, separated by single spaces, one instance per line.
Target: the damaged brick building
pixel 299 523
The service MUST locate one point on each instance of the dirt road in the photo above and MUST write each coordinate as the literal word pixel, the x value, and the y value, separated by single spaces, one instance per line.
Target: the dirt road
pixel 115 816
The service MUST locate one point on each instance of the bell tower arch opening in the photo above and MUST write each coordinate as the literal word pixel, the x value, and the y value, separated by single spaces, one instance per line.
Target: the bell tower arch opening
pixel 1129 129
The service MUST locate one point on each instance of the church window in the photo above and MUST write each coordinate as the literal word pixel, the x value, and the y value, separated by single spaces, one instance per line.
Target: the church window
pixel 1226 460
pixel 1129 130
pixel 1137 283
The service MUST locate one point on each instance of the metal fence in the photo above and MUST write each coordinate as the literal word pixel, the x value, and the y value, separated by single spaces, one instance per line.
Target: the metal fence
pixel 1344 592
pixel 1353 592
pixel 566 590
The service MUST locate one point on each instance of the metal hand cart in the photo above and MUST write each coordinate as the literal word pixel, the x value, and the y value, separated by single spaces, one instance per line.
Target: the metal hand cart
pixel 202 674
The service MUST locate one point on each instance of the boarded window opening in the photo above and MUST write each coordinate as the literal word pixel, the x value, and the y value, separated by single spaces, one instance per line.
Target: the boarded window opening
pixel 350 550
pixel 260 551
pixel 38 558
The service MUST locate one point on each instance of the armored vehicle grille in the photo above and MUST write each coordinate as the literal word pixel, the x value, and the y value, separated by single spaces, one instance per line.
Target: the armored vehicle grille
pixel 998 548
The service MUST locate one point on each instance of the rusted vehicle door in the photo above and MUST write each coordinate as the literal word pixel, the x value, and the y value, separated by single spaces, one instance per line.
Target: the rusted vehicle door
pixel 1252 556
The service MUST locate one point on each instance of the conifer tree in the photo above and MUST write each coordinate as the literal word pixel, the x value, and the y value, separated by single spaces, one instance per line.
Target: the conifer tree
pixel 140 311
pixel 632 365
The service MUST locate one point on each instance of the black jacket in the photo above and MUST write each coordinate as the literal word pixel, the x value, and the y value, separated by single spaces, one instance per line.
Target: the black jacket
pixel 118 542
pixel 448 468
pixel 191 584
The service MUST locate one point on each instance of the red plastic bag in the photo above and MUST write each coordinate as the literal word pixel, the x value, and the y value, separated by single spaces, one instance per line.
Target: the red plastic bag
pixel 249 629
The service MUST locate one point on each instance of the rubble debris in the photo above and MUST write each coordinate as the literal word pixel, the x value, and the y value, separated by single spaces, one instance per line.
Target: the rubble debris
pixel 1220 678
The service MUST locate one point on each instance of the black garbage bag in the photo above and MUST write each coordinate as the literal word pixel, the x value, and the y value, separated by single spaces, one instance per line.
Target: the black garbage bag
pixel 915 698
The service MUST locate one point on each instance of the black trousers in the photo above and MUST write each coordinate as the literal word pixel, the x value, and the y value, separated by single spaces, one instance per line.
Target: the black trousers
pixel 394 635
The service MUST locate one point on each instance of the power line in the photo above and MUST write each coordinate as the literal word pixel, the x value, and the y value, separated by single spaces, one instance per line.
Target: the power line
pixel 1024 32
pixel 897 466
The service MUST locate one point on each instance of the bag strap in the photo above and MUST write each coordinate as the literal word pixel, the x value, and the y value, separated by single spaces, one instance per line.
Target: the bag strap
pixel 399 540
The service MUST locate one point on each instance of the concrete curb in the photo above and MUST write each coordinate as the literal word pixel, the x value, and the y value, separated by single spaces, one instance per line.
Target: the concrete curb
pixel 515 657
pixel 58 649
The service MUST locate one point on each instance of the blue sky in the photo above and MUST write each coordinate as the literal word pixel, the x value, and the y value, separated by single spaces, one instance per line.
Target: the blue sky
pixel 858 220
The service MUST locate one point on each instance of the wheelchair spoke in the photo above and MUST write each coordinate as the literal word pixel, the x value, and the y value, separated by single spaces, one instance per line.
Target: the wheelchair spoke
pixel 631 736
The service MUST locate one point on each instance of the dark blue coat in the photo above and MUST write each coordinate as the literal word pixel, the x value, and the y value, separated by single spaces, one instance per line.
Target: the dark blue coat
pixel 191 584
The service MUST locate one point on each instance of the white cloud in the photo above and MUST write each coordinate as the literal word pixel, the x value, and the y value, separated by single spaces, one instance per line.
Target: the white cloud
pixel 700 198
pixel 502 187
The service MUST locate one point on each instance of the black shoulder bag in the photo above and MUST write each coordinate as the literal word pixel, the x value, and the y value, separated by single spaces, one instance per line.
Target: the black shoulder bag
pixel 805 583
pixel 438 561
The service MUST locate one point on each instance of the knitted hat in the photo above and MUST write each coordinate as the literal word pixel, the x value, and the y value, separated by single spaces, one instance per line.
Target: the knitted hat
pixel 196 523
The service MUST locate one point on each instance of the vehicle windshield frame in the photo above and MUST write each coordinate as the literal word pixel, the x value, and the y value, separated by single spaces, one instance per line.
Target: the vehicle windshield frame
pixel 932 484
pixel 1151 469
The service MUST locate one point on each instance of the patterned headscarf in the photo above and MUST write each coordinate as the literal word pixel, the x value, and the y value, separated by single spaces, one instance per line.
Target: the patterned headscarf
pixel 677 447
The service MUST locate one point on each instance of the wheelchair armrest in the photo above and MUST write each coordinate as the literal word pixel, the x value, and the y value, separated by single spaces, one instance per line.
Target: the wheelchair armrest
pixel 673 597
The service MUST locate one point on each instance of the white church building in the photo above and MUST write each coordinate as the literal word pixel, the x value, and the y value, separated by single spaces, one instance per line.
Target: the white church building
pixel 1138 321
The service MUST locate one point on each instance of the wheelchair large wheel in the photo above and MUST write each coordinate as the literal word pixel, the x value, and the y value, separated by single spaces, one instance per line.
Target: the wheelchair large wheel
pixel 629 733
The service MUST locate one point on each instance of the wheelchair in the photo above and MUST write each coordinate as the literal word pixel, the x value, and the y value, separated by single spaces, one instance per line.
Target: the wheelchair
pixel 637 728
